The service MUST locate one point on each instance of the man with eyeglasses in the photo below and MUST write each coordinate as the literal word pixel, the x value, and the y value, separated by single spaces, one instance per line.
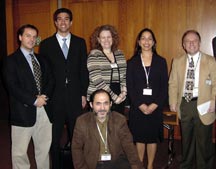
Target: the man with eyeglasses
pixel 192 92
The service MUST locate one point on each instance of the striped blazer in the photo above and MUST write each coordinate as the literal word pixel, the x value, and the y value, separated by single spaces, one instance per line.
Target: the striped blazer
pixel 100 72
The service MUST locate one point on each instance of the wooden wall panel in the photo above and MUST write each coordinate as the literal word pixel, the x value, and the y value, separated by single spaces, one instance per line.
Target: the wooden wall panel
pixel 38 13
pixel 169 19
pixel 84 26
pixel 9 26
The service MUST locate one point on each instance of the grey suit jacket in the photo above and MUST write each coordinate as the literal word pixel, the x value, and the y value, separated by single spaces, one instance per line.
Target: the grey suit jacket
pixel 206 91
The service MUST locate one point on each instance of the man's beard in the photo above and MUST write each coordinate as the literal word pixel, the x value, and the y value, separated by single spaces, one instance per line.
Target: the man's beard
pixel 101 111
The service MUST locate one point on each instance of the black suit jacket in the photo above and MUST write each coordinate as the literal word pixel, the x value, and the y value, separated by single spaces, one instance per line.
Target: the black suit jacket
pixel 74 69
pixel 214 46
pixel 22 88
pixel 158 80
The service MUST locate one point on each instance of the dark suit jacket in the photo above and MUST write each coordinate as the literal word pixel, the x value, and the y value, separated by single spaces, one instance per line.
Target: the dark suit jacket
pixel 22 88
pixel 158 80
pixel 74 68
pixel 214 46
pixel 86 141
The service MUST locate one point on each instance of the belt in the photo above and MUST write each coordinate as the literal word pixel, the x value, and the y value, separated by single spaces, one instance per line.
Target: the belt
pixel 103 162
pixel 193 99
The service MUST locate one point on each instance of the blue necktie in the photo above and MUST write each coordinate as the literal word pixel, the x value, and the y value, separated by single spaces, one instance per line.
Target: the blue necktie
pixel 65 48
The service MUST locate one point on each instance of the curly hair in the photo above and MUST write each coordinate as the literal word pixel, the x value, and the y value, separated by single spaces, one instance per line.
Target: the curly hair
pixel 94 37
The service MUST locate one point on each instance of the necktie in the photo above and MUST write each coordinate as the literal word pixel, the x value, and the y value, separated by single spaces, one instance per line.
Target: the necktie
pixel 65 48
pixel 189 81
pixel 37 73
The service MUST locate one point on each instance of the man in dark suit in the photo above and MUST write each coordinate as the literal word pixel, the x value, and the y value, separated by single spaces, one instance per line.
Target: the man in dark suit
pixel 30 84
pixel 214 46
pixel 71 75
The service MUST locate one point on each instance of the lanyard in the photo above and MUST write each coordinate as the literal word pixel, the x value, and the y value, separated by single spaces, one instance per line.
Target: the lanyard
pixel 195 66
pixel 146 73
pixel 114 68
pixel 104 140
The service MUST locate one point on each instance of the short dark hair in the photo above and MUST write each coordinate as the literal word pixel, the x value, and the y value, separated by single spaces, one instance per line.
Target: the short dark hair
pixel 190 31
pixel 22 29
pixel 92 97
pixel 62 10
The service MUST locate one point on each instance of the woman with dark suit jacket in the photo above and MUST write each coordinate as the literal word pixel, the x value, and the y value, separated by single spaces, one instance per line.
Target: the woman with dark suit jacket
pixel 147 83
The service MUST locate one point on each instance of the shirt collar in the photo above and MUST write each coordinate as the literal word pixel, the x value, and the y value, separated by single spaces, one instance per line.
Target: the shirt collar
pixel 61 37
pixel 26 52
pixel 195 57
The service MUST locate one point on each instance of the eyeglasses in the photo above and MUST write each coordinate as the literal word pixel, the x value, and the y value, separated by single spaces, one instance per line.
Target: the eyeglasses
pixel 191 41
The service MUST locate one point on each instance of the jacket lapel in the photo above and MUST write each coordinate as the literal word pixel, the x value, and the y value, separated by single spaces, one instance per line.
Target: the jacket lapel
pixel 93 128
pixel 24 66
pixel 203 74
pixel 182 71
pixel 57 48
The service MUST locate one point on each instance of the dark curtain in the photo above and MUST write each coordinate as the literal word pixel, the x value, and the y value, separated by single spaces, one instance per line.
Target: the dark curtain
pixel 4 110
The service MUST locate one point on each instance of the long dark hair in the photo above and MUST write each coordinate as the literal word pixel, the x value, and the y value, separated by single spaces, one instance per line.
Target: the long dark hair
pixel 138 49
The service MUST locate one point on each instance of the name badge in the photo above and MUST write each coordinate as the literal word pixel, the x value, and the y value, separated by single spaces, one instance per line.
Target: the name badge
pixel 195 91
pixel 208 82
pixel 147 91
pixel 113 65
pixel 105 157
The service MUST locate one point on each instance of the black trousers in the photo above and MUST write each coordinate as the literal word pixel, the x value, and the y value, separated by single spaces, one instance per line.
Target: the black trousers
pixel 197 142
pixel 104 165
pixel 64 116
pixel 121 163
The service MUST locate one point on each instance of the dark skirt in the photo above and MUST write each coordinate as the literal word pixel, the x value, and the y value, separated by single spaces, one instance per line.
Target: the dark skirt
pixel 146 128
pixel 115 87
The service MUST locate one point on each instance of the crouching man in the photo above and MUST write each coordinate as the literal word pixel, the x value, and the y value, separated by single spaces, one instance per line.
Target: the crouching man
pixel 102 139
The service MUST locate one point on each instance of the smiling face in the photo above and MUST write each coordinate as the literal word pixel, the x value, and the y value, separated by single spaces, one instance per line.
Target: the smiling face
pixel 191 43
pixel 28 39
pixel 146 41
pixel 63 23
pixel 101 105
pixel 105 39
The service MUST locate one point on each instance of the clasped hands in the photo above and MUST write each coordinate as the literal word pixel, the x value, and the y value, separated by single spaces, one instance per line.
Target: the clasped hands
pixel 41 100
pixel 148 109
pixel 121 97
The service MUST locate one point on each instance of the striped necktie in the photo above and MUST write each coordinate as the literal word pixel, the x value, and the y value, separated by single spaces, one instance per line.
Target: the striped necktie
pixel 37 73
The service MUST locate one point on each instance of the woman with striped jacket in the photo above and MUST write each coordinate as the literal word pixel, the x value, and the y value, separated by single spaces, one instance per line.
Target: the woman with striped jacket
pixel 107 66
